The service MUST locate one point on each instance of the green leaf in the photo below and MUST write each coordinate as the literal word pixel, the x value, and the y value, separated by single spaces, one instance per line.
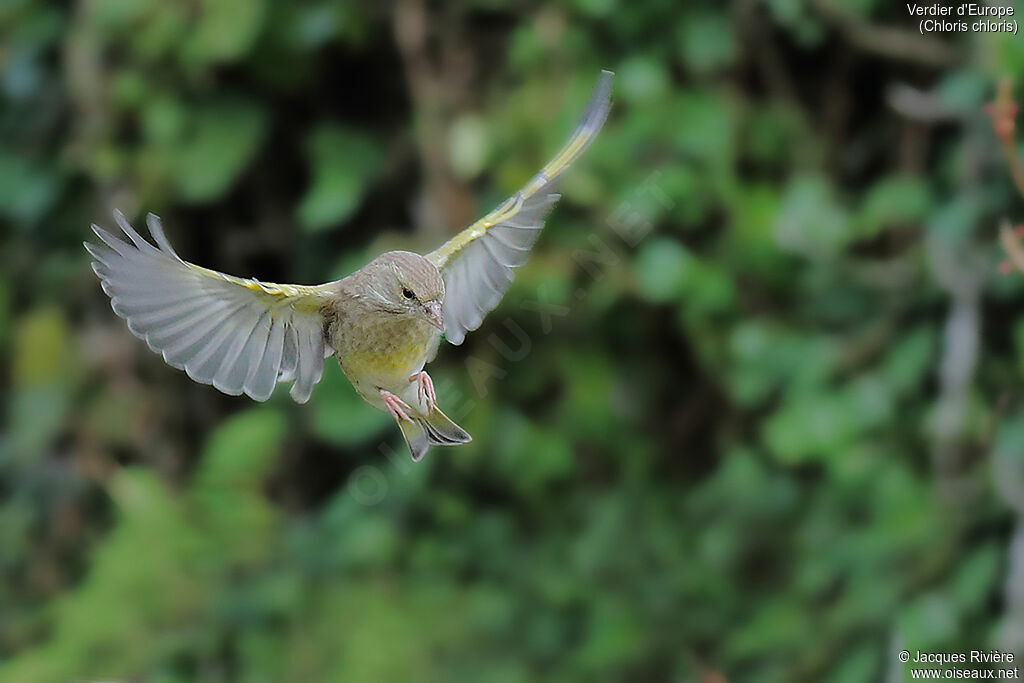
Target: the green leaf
pixel 661 269
pixel 615 636
pixel 642 80
pixel 240 451
pixel 955 219
pixel 708 132
pixel 775 622
pixel 340 415
pixel 1009 437
pixel 811 222
pixel 929 621
pixel 820 424
pixel 228 488
pixel 343 164
pixel 907 363
pixel 225 136
pixel 41 350
pixel 977 577
pixel 860 665
pixel 706 41
pixel 468 145
pixel 892 201
pixel 801 22
pixel 27 188
pixel 595 8
pixel 226 29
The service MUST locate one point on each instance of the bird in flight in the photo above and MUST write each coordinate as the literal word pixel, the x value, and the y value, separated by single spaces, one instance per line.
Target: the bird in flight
pixel 383 322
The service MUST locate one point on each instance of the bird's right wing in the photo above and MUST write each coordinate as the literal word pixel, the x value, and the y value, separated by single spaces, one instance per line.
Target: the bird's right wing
pixel 477 264
pixel 240 335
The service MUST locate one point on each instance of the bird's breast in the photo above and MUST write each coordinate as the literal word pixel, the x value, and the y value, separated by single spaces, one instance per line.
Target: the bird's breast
pixel 381 350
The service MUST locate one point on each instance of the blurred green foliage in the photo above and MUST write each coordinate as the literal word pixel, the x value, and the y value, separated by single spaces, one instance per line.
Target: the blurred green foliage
pixel 732 445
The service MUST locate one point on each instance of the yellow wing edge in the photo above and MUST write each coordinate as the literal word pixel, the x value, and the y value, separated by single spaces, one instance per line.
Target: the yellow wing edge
pixel 303 298
pixel 586 130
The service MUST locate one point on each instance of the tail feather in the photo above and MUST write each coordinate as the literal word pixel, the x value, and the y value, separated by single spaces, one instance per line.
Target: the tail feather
pixel 435 429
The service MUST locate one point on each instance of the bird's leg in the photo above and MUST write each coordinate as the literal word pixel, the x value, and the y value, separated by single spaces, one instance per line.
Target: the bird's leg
pixel 396 406
pixel 426 389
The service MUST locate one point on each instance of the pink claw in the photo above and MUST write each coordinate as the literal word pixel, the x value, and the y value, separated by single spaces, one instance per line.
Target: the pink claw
pixel 425 389
pixel 395 406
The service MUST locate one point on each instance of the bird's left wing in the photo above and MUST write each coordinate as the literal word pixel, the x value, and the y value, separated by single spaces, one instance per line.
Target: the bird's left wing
pixel 477 264
pixel 237 334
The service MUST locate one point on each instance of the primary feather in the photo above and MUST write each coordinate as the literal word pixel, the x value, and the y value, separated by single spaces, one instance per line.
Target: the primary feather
pixel 240 335
pixel 477 264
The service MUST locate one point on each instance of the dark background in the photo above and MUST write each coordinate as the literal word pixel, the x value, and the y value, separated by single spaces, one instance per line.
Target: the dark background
pixel 751 412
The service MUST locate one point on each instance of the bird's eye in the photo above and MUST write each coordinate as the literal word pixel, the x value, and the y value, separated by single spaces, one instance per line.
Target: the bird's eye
pixel 407 293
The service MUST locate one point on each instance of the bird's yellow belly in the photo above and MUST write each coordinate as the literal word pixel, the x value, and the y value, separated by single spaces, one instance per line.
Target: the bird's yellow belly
pixel 383 354
pixel 386 368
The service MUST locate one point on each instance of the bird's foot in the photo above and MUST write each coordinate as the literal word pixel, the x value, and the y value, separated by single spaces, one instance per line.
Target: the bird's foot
pixel 396 406
pixel 425 389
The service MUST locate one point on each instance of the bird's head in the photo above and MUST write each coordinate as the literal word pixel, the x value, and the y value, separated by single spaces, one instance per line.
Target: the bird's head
pixel 404 283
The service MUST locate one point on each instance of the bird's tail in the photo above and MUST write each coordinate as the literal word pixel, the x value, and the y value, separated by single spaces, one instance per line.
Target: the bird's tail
pixel 435 429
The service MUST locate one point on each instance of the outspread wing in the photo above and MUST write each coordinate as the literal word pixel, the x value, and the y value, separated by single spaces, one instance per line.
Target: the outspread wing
pixel 240 335
pixel 477 264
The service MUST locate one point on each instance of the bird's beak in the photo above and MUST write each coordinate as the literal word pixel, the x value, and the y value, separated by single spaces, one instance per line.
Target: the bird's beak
pixel 434 315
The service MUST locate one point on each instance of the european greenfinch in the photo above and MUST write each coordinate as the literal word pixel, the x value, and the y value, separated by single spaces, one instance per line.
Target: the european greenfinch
pixel 382 322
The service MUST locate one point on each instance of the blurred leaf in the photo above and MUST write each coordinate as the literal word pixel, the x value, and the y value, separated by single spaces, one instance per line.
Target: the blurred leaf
pixel 706 42
pixel 928 621
pixel 595 8
pixel 228 484
pixel 225 136
pixel 820 425
pixel 892 200
pixel 811 222
pixel 1008 438
pixel 776 622
pixel 614 637
pixel 343 164
pixel 340 416
pixel 163 119
pixel 708 133
pixel 661 266
pixel 641 79
pixel 468 146
pixel 366 540
pixel 239 452
pixel 909 360
pixel 27 188
pixel 529 456
pixel 41 352
pixel 795 16
pixel 115 416
pixel 955 218
pixel 963 90
pixel 861 665
pixel 977 578
pixel 226 29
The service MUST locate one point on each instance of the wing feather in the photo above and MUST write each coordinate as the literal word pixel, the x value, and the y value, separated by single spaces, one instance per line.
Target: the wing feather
pixel 240 335
pixel 478 264
pixel 309 363
pixel 265 375
pixel 229 376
